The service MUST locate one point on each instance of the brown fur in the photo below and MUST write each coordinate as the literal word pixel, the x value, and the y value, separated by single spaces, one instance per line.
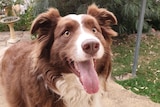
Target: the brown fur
pixel 28 66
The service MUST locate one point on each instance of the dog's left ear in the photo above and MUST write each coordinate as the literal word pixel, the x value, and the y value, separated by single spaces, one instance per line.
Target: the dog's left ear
pixel 105 19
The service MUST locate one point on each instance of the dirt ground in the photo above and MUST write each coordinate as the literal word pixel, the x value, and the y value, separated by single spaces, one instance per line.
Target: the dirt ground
pixel 116 96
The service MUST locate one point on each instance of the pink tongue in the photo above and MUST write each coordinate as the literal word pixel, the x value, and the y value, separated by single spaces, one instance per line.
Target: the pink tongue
pixel 88 76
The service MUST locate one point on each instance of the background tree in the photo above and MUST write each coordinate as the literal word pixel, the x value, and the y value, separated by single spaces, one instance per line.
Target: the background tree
pixel 126 11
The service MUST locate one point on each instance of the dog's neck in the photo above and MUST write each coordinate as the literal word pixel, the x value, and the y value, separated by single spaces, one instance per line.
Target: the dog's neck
pixel 73 95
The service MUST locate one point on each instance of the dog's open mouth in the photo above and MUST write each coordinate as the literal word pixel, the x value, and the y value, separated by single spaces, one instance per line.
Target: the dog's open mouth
pixel 87 74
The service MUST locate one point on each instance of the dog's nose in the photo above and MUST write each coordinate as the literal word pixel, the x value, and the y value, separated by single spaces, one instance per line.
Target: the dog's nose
pixel 90 46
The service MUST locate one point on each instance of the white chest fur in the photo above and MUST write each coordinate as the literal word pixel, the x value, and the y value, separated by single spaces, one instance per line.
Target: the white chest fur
pixel 73 94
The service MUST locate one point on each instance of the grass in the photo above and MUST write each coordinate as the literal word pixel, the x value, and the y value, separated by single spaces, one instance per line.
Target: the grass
pixel 147 82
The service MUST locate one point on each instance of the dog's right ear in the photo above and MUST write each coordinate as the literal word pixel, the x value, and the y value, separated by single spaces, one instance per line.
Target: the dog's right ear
pixel 43 27
pixel 45 22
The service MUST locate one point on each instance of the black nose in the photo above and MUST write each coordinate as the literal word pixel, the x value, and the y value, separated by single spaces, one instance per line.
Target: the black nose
pixel 90 46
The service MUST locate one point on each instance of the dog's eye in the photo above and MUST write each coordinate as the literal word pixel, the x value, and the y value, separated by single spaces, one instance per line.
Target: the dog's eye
pixel 94 30
pixel 66 33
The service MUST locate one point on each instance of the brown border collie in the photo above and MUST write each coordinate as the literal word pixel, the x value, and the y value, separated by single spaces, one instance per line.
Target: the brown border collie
pixel 66 66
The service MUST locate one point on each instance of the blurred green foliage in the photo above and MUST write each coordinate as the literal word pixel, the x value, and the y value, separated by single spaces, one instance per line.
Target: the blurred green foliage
pixel 26 20
pixel 126 11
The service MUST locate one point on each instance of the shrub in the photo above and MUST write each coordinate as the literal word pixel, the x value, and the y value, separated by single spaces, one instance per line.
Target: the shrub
pixel 25 20
pixel 126 11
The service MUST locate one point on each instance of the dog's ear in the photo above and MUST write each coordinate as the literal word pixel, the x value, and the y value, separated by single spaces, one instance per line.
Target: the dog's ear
pixel 43 27
pixel 105 19
pixel 45 22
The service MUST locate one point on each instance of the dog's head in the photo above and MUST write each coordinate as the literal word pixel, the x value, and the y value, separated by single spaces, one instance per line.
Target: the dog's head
pixel 78 44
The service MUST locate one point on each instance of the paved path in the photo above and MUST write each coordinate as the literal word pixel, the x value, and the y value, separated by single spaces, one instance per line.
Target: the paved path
pixel 117 96
pixel 4 36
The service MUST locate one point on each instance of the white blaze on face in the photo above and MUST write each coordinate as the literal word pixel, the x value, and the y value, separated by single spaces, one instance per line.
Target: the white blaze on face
pixel 84 61
pixel 80 55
